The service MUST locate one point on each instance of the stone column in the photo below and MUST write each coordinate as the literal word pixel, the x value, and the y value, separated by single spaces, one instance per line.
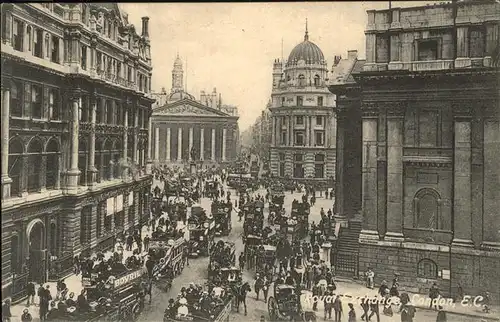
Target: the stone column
pixel 190 143
pixel 168 144
pixel 202 144
pixel 136 133
pixel 125 142
pixel 6 181
pixel 213 145
pixel 290 131
pixel 311 131
pixel 369 175
pixel 149 147
pixel 395 173
pixel 339 167
pixel 74 173
pixel 92 169
pixel 224 137
pixel 307 126
pixel 179 144
pixel 491 204
pixel 157 144
pixel 273 133
pixel 462 220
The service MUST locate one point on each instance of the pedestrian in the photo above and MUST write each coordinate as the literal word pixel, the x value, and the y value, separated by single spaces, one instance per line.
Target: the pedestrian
pixel 352 313
pixel 130 242
pixel 407 313
pixel 337 307
pixel 366 307
pixel 26 317
pixel 45 299
pixel 76 265
pixel 265 288
pixel 441 316
pixel 328 305
pixel 186 256
pixel 375 311
pixel 6 314
pixel 434 293
pixel 146 243
pixel 30 290
pixel 241 261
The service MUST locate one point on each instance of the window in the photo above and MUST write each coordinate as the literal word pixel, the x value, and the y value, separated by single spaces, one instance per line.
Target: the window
pixel 110 27
pixel 319 138
pixel 298 166
pixel 427 209
pixel 85 18
pixel 428 127
pixel 320 100
pixel 317 80
pixel 17 35
pixel 38 43
pixel 299 138
pixel 119 69
pixel 302 80
pixel 110 112
pixel 100 214
pixel 15 264
pixel 107 223
pixel 54 106
pixel 34 160
pixel 52 165
pixel 85 224
pixel 382 49
pixel 29 32
pixel 84 109
pixel 300 100
pixel 129 74
pixel 319 166
pixel 283 137
pixel 16 103
pixel 282 156
pixel 426 268
pixel 299 120
pixel 83 57
pixel 47 45
pixel 98 63
pixel 283 101
pixel 83 161
pixel 319 120
pixel 15 166
pixel 36 101
pixel 54 57
pixel 53 238
pixel 427 50
pixel 282 169
pixel 477 42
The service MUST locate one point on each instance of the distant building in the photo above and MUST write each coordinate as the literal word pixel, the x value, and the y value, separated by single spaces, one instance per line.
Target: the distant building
pixel 75 112
pixel 429 105
pixel 186 130
pixel 303 117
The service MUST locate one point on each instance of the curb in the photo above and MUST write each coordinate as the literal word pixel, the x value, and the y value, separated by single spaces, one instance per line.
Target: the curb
pixel 470 315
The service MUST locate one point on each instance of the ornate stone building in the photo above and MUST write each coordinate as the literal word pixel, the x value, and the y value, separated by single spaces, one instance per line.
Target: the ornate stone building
pixel 185 130
pixel 75 111
pixel 303 116
pixel 430 114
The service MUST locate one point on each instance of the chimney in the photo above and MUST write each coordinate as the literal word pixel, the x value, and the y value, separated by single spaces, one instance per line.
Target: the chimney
pixel 220 100
pixel 352 54
pixel 336 60
pixel 145 27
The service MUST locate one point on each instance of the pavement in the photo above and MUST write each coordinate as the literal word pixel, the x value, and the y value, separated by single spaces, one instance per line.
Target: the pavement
pixel 197 272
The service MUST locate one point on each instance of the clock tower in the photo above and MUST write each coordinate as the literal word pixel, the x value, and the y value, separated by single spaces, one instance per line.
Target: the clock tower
pixel 177 76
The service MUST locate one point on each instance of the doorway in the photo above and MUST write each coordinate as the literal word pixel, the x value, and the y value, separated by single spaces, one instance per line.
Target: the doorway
pixel 37 251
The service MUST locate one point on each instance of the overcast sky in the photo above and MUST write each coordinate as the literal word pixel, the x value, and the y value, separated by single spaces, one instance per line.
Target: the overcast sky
pixel 232 46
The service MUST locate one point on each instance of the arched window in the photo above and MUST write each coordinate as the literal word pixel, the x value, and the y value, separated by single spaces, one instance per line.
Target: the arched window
pixel 302 80
pixel 34 160
pixel 317 80
pixel 298 166
pixel 99 150
pixel 426 268
pixel 427 209
pixel 319 166
pixel 83 161
pixel 15 165
pixel 16 106
pixel 52 169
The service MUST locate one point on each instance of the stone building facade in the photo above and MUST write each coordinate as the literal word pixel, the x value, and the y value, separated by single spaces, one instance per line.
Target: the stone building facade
pixel 430 147
pixel 303 116
pixel 187 131
pixel 75 112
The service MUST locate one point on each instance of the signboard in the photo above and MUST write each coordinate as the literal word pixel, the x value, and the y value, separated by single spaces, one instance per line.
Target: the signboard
pixel 130 277
pixel 110 206
pixel 119 203
pixel 445 274
pixel 86 282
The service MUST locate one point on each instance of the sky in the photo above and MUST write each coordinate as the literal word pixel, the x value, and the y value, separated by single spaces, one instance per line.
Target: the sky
pixel 232 46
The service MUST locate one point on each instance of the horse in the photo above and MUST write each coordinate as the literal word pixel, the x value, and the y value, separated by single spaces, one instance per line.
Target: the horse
pixel 241 295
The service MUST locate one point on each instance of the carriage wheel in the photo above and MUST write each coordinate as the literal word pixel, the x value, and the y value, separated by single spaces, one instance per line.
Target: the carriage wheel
pixel 272 308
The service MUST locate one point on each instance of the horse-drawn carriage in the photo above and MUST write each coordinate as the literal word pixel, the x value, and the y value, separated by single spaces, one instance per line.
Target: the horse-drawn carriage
pixel 254 217
pixel 287 304
pixel 268 259
pixel 219 312
pixel 201 232
pixel 222 256
pixel 119 299
pixel 221 211
pixel 300 212
pixel 211 187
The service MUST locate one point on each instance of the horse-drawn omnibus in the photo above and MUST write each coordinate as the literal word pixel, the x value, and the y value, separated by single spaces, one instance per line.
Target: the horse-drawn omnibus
pixel 221 211
pixel 218 313
pixel 201 232
pixel 287 305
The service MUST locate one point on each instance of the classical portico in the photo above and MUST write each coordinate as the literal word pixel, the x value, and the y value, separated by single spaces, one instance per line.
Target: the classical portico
pixel 188 131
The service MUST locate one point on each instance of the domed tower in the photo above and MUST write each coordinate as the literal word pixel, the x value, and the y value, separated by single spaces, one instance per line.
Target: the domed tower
pixel 303 116
pixel 177 76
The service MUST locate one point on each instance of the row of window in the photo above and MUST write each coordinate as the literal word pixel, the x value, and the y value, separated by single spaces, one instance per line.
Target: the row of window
pixel 34 100
pixel 302 82
pixel 300 101
pixel 300 157
pixel 299 120
pixel 299 138
pixel 39 45
pixel 432 48
pixel 298 165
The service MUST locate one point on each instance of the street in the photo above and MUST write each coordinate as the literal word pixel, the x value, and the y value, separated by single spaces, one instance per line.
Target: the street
pixel 197 272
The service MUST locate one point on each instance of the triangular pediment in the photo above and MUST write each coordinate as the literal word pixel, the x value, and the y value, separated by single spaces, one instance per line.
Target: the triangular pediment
pixel 188 107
